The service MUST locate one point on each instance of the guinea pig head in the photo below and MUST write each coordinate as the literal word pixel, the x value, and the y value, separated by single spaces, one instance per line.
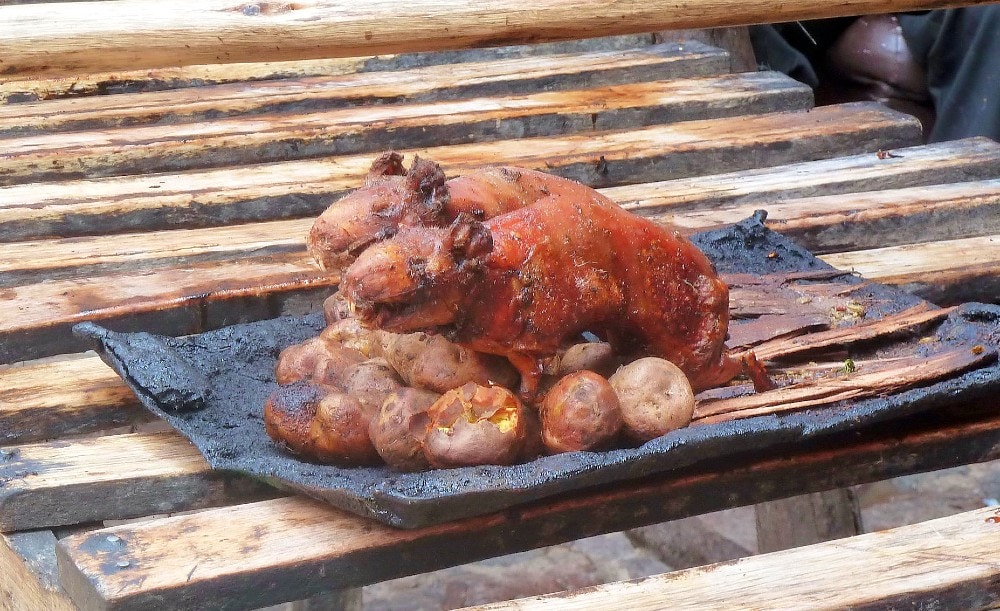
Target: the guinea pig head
pixel 419 279
pixel 391 197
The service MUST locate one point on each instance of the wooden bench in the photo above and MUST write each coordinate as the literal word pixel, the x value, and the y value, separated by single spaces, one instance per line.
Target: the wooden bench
pixel 947 563
pixel 182 206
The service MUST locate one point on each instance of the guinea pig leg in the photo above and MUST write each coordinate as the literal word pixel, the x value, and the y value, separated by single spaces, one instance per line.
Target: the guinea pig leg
pixel 754 369
pixel 530 369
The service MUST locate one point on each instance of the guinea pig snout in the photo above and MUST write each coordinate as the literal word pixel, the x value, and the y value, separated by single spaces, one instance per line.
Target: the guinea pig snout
pixel 382 274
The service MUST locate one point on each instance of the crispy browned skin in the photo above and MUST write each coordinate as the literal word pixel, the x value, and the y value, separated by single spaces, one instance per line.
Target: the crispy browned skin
pixel 319 423
pixel 527 282
pixel 392 197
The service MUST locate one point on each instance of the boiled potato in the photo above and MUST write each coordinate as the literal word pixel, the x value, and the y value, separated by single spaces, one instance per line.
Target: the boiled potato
pixel 319 424
pixel 399 428
pixel 442 366
pixel 336 308
pixel 655 398
pixel 581 412
pixel 371 382
pixel 315 360
pixel 349 333
pixel 475 425
pixel 598 357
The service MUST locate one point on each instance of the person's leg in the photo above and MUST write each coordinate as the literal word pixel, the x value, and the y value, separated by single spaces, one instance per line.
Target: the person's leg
pixel 960 51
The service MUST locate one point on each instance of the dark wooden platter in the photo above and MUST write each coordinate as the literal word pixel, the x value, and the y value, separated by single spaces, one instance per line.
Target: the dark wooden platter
pixel 893 356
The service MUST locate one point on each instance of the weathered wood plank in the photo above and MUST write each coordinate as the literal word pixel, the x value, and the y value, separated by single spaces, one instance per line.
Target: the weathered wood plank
pixel 947 563
pixel 93 37
pixel 28 566
pixel 859 221
pixel 969 159
pixel 178 300
pixel 704 59
pixel 29 262
pixel 291 548
pixel 944 272
pixel 111 477
pixel 302 188
pixel 506 78
pixel 48 400
pixel 280 137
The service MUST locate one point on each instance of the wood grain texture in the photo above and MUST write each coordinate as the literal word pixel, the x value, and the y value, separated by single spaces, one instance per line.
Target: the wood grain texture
pixel 969 159
pixel 27 563
pixel 304 188
pixel 947 563
pixel 72 396
pixel 24 88
pixel 501 78
pixel 179 300
pixel 281 137
pixel 111 477
pixel 860 221
pixel 945 272
pixel 99 36
pixel 291 548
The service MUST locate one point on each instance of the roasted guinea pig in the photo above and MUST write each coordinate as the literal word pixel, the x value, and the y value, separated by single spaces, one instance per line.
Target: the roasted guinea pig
pixel 393 196
pixel 527 282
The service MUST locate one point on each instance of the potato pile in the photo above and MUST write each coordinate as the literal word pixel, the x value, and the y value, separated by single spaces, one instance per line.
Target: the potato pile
pixel 355 396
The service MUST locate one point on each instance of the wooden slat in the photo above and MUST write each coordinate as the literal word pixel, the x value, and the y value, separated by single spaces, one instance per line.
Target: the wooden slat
pixel 277 136
pixel 30 261
pixel 48 400
pixel 93 37
pixel 970 159
pixel 178 300
pixel 290 548
pixel 505 78
pixel 947 563
pixel 869 220
pixel 944 272
pixel 277 190
pixel 709 60
pixel 111 477
pixel 27 563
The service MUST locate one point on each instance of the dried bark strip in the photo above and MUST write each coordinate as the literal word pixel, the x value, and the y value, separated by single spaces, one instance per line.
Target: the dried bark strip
pixel 914 371
pixel 911 317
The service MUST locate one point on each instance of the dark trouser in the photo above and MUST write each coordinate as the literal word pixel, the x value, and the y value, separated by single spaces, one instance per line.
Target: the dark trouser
pixel 959 50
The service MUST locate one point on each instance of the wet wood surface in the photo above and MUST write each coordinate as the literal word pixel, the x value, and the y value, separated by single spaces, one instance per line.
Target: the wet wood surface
pixel 510 77
pixel 699 59
pixel 786 137
pixel 135 33
pixel 116 219
pixel 304 188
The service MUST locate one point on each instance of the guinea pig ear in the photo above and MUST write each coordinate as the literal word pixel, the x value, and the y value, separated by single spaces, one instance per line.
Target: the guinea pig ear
pixel 428 179
pixel 468 239
pixel 389 163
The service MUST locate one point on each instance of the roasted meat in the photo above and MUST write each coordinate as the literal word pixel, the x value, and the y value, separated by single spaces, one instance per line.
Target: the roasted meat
pixel 525 283
pixel 393 196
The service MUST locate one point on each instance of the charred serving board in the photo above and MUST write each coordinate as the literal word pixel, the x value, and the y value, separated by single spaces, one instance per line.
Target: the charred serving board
pixel 212 387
